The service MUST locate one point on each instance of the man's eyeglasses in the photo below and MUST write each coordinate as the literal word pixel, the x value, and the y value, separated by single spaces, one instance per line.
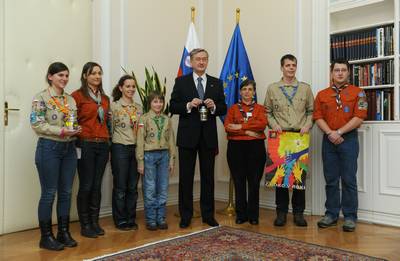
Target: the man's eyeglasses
pixel 340 70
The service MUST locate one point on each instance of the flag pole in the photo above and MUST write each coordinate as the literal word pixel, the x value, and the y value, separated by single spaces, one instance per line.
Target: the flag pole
pixel 193 10
pixel 196 213
pixel 229 210
pixel 237 15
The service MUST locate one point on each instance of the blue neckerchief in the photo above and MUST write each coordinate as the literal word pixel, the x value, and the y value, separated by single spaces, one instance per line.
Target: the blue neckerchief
pixel 289 97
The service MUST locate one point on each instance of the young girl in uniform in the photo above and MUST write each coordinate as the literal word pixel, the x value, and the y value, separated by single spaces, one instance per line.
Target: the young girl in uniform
pixel 125 116
pixel 155 154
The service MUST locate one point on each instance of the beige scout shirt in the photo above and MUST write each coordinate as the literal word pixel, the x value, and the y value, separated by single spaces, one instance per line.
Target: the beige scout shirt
pixel 152 137
pixel 125 118
pixel 46 117
pixel 289 116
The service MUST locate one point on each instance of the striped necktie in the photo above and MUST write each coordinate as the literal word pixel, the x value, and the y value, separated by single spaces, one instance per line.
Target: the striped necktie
pixel 200 88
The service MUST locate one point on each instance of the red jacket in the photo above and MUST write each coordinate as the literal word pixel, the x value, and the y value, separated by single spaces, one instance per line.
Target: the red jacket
pixel 87 116
pixel 257 122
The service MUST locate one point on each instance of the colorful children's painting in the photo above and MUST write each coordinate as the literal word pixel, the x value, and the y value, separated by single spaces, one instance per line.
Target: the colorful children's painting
pixel 287 161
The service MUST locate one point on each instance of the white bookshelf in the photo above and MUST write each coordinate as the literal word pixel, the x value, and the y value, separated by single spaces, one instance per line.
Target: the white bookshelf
pixel 364 26
pixel 346 16
pixel 371 87
pixel 370 60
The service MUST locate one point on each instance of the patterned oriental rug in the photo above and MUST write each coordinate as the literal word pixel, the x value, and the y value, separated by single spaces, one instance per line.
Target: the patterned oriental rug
pixel 227 243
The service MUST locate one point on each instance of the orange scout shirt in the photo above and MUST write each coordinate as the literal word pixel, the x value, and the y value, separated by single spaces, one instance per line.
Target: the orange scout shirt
pixel 354 104
pixel 87 116
pixel 256 122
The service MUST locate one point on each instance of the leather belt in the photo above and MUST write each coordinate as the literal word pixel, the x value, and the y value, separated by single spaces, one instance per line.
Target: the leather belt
pixel 97 140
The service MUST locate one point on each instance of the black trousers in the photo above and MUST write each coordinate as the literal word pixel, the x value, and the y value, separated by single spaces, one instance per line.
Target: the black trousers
pixel 125 181
pixel 91 168
pixel 282 200
pixel 246 160
pixel 187 163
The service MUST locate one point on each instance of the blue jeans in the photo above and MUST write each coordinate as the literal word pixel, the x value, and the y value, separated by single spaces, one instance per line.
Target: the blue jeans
pixel 56 163
pixel 155 185
pixel 340 163
pixel 125 180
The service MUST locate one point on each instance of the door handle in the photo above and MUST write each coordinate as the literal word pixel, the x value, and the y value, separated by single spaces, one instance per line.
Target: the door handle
pixel 6 110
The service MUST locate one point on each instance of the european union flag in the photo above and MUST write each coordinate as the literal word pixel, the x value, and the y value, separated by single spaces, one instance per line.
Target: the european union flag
pixel 236 69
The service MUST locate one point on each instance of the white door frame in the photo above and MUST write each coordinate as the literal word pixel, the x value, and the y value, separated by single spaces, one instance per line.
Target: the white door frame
pixel 2 131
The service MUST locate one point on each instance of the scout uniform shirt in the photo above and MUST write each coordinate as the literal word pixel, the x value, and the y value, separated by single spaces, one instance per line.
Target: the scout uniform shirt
pixel 155 133
pixel 125 118
pixel 50 112
pixel 289 105
pixel 336 109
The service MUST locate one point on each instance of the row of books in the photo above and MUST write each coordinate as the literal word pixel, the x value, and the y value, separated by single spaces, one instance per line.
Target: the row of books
pixel 363 44
pixel 370 74
pixel 380 104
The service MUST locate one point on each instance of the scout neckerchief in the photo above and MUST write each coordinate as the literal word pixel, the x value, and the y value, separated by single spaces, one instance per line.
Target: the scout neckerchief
pixel 64 108
pixel 244 114
pixel 131 114
pixel 337 90
pixel 159 121
pixel 97 99
pixel 289 97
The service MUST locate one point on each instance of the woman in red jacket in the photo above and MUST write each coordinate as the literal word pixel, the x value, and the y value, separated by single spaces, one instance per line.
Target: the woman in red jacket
pixel 245 124
pixel 93 106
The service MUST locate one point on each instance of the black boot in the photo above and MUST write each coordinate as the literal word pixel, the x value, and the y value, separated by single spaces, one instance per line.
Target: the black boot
pixel 47 240
pixel 87 229
pixel 63 235
pixel 280 219
pixel 94 218
pixel 298 219
pixel 94 213
pixel 82 203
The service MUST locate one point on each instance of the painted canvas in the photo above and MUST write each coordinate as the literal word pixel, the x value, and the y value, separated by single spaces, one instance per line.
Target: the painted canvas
pixel 287 161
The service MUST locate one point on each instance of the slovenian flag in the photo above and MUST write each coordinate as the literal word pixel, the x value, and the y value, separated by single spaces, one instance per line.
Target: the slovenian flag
pixel 192 42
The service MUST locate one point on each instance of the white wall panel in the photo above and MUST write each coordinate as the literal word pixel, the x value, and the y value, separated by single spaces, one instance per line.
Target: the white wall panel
pixel 364 172
pixel 386 190
pixel 389 150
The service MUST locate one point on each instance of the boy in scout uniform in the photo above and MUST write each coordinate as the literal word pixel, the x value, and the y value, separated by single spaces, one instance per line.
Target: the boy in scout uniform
pixel 289 106
pixel 155 153
pixel 339 110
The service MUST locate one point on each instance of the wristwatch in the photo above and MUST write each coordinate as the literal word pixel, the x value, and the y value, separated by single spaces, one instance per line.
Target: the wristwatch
pixel 339 132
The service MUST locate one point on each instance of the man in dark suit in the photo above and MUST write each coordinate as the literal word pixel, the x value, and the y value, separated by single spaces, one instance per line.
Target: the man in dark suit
pixel 190 93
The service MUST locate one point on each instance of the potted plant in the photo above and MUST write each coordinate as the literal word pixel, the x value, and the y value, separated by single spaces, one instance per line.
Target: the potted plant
pixel 152 83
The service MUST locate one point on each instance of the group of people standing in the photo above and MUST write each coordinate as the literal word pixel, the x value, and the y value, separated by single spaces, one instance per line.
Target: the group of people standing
pixel 290 106
pixel 76 131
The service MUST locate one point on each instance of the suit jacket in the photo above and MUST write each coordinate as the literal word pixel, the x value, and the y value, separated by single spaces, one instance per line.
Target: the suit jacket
pixel 190 128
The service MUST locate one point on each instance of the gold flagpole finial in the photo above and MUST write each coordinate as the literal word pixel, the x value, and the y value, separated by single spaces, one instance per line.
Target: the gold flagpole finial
pixel 193 13
pixel 237 15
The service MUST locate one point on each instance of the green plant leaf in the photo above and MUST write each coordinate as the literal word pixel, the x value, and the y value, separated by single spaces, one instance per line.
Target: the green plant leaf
pixel 152 83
